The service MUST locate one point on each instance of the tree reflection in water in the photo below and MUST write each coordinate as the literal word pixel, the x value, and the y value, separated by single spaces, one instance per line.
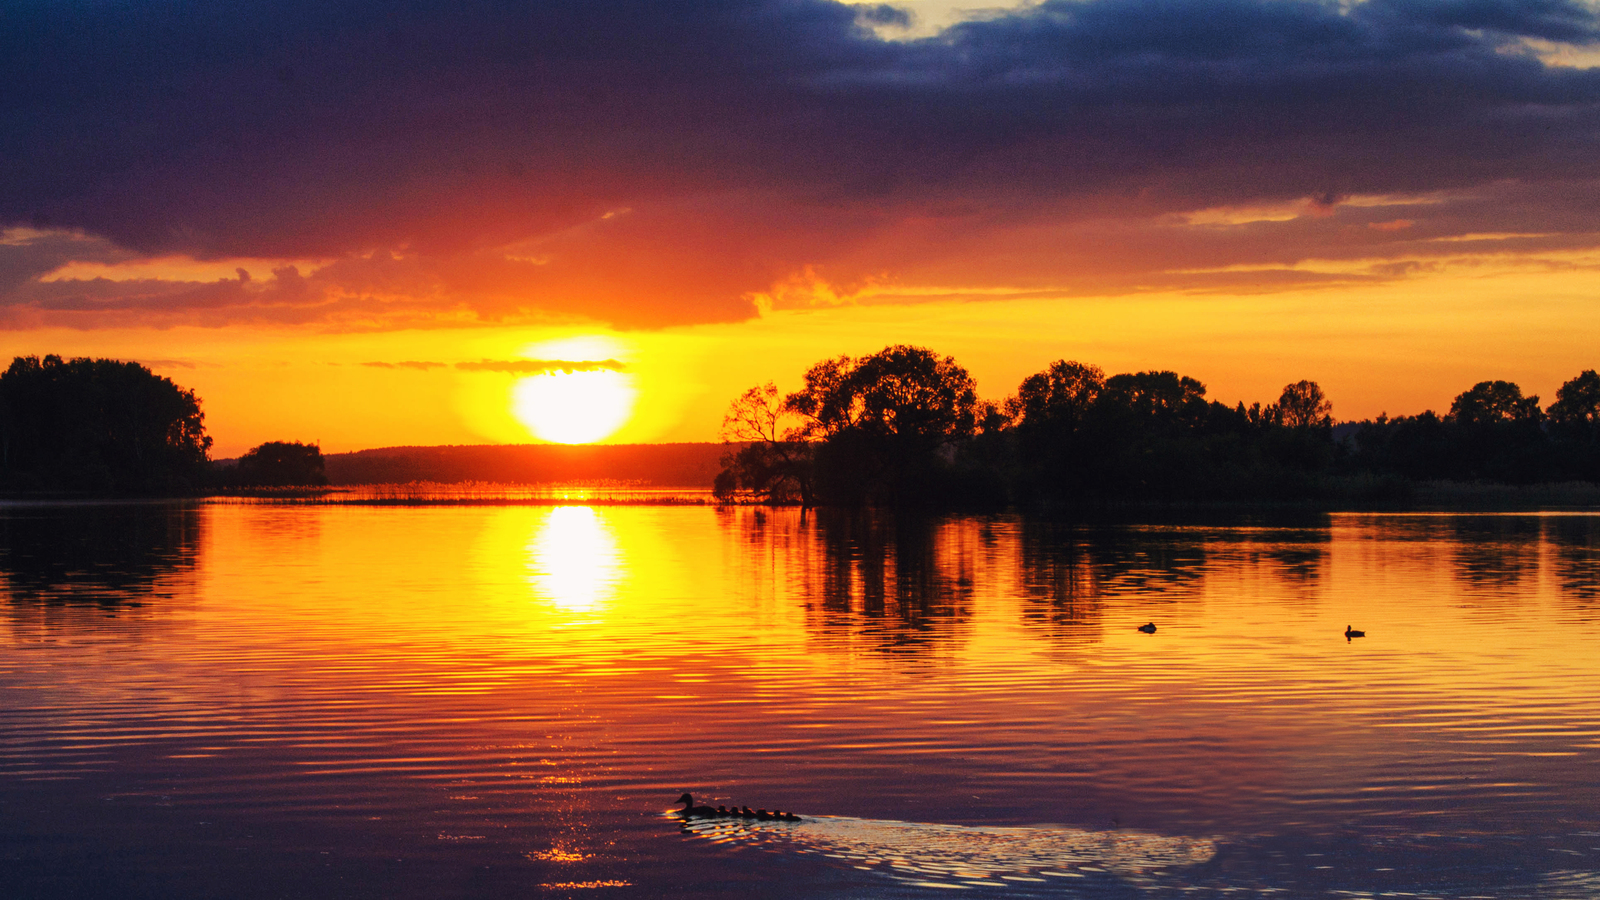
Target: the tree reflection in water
pixel 894 583
pixel 109 555
pixel 1493 554
pixel 67 568
pixel 1575 555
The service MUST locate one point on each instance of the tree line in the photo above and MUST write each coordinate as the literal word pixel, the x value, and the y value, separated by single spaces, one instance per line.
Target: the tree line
pixel 109 427
pixel 905 426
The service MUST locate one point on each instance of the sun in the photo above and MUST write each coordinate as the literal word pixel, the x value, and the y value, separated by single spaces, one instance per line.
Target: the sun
pixel 573 407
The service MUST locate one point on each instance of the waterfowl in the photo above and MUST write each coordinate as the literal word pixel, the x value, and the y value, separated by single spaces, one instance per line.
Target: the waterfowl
pixel 689 809
pixel 1149 628
pixel 1352 633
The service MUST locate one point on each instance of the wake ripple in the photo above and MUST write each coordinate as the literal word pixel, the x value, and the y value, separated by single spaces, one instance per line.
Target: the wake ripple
pixel 957 856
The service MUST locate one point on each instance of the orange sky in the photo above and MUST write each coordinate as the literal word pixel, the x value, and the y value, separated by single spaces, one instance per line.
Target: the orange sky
pixel 317 230
pixel 1399 348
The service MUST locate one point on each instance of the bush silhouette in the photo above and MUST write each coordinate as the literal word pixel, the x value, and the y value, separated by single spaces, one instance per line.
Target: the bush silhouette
pixel 281 464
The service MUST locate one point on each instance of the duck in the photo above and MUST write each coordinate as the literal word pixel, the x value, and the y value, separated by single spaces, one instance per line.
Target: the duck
pixel 1148 628
pixel 747 813
pixel 1352 633
pixel 763 816
pixel 690 810
pixel 722 811
pixel 790 817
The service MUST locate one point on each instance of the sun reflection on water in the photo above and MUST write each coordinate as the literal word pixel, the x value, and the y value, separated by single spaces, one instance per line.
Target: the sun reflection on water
pixel 573 560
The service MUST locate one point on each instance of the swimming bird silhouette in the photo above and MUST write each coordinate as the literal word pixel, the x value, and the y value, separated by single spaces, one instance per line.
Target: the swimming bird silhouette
pixel 689 809
pixel 1149 628
pixel 1352 633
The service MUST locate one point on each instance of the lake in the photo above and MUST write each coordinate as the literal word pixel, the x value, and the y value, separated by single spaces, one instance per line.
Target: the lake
pixel 277 700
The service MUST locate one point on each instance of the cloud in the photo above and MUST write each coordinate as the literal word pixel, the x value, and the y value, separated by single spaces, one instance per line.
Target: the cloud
pixel 408 364
pixel 167 363
pixel 466 163
pixel 27 253
pixel 541 366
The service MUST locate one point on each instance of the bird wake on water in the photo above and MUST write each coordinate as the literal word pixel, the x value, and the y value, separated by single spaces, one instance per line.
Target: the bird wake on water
pixel 940 855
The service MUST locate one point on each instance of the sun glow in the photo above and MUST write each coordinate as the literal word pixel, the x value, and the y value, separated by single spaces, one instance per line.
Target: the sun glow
pixel 573 407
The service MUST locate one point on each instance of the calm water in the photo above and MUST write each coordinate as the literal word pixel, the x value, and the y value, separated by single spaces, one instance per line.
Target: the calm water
pixel 277 701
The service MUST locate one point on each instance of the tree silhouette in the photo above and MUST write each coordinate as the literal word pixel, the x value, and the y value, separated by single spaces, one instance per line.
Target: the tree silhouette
pixel 1575 426
pixel 1052 418
pixel 1057 398
pixel 887 424
pixel 1491 402
pixel 1164 397
pixel 878 428
pixel 1303 405
pixel 914 398
pixel 98 425
pixel 1578 403
pixel 904 426
pixel 767 455
pixel 1497 434
pixel 281 464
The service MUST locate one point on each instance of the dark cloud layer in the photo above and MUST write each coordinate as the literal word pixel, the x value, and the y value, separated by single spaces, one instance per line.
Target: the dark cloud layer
pixel 649 162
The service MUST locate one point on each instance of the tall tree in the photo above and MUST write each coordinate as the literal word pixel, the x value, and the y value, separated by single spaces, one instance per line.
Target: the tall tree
pixel 1303 405
pixel 1490 402
pixel 1060 396
pixel 98 425
pixel 767 454
pixel 881 428
pixel 1575 426
pixel 1578 403
pixel 1498 435
pixel 1157 397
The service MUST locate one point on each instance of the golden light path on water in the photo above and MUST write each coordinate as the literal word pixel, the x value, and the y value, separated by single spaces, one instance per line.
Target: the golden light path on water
pixel 518 692
pixel 573 561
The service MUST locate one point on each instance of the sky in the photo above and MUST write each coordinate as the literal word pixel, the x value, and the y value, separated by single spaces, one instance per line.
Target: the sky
pixel 371 223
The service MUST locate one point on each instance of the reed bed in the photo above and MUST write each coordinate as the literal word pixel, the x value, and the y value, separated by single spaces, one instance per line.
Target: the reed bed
pixel 472 493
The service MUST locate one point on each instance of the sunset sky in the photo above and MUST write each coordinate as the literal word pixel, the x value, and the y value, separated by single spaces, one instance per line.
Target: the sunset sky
pixel 369 224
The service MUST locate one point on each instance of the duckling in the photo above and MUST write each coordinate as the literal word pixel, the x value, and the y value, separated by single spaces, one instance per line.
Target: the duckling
pixel 746 813
pixel 722 811
pixel 790 817
pixel 1149 628
pixel 690 810
pixel 1352 633
pixel 763 816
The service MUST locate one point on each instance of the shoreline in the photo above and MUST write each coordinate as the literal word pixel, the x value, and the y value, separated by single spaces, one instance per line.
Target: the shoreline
pixel 1424 497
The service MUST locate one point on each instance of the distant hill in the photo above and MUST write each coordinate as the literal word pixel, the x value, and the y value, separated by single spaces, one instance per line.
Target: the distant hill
pixel 655 465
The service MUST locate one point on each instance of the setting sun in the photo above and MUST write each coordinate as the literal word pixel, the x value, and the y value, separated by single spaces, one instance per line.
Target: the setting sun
pixel 573 407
